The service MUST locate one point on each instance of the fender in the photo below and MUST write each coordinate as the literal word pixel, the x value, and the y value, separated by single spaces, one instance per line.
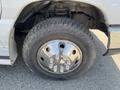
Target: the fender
pixel 11 12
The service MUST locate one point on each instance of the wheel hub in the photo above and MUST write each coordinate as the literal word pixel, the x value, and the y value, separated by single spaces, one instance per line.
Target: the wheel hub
pixel 59 56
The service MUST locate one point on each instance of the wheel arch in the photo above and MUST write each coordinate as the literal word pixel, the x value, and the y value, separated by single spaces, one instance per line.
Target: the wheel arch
pixel 33 6
pixel 91 10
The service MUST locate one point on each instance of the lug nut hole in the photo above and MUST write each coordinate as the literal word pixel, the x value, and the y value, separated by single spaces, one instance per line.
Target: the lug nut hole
pixel 76 61
pixel 48 49
pixel 42 58
pixel 74 52
pixel 62 46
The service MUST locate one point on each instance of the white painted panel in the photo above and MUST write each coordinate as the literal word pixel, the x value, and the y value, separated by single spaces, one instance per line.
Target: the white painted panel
pixel 4 52
pixel 5 28
pixel 0 8
pixel 5 62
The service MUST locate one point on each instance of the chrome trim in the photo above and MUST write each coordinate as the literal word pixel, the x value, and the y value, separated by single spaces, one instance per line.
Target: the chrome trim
pixel 115 36
pixel 114 25
pixel 5 62
pixel 59 56
pixel 114 51
pixel 4 57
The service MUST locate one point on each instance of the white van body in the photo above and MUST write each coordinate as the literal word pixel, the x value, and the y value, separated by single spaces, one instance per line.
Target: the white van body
pixel 11 9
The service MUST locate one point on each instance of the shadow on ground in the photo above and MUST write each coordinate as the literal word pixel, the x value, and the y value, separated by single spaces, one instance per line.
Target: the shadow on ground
pixel 103 76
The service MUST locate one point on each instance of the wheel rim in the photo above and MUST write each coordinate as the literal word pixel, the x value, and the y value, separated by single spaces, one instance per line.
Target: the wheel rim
pixel 59 56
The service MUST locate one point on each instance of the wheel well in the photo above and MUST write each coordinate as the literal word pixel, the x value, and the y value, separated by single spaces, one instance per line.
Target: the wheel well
pixel 82 12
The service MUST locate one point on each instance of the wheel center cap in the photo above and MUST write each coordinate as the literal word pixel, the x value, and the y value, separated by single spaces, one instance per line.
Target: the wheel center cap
pixel 59 56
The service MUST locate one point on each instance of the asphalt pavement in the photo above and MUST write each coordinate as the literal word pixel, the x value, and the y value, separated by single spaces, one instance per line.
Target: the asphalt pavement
pixel 105 75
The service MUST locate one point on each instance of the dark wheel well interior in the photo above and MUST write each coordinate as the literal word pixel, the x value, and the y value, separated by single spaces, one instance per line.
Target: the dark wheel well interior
pixel 84 13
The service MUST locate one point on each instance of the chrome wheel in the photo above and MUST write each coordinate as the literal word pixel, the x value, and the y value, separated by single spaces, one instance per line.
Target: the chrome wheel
pixel 59 56
pixel 59 48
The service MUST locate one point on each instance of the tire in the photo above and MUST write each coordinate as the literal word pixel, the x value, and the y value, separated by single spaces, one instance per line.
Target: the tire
pixel 59 28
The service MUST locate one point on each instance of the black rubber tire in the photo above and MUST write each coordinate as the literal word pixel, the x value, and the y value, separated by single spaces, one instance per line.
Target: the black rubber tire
pixel 59 28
